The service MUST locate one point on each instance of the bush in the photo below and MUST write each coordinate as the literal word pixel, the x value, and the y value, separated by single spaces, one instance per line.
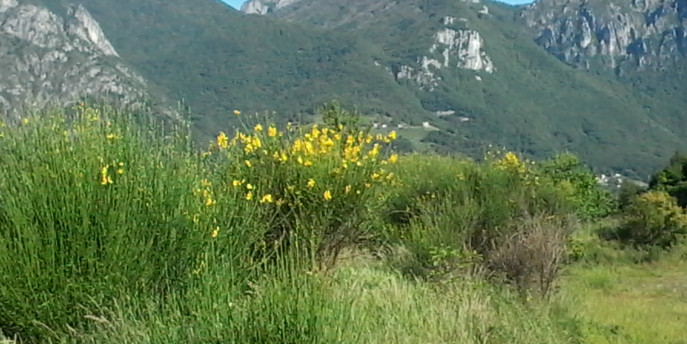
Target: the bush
pixel 567 172
pixel 458 212
pixel 532 256
pixel 315 186
pixel 627 193
pixel 653 219
pixel 673 179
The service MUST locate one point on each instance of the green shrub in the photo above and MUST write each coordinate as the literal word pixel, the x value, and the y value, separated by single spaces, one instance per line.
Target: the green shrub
pixel 627 193
pixel 653 219
pixel 567 172
pixel 457 211
pixel 673 179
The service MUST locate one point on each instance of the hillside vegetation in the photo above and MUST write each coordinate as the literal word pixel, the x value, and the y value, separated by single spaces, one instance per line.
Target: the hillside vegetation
pixel 113 230
pixel 216 59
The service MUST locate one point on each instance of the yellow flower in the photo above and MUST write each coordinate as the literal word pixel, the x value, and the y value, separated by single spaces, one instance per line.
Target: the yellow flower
pixel 247 162
pixel 347 189
pixel 327 195
pixel 311 183
pixel 236 183
pixel 266 199
pixel 249 195
pixel 271 131
pixel 120 171
pixel 249 186
pixel 104 178
pixel 237 112
pixel 393 158
pixel 215 232
pixel 257 128
pixel 209 201
pixel 307 163
pixel 222 140
pixel 111 136
pixel 392 135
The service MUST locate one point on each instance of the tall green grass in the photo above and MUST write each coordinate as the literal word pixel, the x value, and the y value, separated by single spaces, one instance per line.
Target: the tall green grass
pixel 94 207
pixel 115 231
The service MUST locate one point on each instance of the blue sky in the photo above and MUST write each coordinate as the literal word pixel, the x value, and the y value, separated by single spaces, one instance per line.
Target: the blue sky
pixel 234 3
pixel 237 3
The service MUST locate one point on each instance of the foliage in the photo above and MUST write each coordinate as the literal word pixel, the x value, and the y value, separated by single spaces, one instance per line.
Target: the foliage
pixel 653 219
pixel 566 171
pixel 112 231
pixel 96 206
pixel 454 213
pixel 533 103
pixel 318 183
pixel 673 179
pixel 628 191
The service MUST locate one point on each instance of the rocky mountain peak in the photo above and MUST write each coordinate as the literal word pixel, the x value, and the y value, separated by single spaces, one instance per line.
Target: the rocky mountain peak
pixel 646 33
pixel 48 58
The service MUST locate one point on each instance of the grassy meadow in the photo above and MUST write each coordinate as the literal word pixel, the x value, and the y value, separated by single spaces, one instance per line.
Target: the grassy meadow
pixel 116 229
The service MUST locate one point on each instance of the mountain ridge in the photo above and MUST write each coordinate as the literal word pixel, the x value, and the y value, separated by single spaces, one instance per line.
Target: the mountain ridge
pixel 452 76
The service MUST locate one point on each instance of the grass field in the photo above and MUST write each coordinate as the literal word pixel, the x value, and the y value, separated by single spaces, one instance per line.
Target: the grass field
pixel 630 303
pixel 113 230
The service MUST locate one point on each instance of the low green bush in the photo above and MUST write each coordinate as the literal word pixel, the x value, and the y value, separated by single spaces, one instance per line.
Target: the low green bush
pixel 653 219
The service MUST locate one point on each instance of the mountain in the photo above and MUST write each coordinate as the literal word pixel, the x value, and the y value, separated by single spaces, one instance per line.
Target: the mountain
pixel 57 57
pixel 491 75
pixel 643 43
pixel 449 75
pixel 638 34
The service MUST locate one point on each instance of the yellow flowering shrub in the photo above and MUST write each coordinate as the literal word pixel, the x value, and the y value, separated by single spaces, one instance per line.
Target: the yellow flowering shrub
pixel 321 177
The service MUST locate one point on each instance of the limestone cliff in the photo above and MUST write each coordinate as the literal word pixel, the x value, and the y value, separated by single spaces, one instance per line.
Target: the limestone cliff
pixel 643 33
pixel 47 58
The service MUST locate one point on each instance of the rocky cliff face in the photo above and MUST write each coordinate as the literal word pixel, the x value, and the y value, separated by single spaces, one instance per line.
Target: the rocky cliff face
pixel 264 6
pixel 646 34
pixel 46 58
pixel 450 49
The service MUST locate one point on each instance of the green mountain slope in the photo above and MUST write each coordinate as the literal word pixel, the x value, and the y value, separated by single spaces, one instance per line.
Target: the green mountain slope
pixel 217 60
pixel 532 102
pixel 471 70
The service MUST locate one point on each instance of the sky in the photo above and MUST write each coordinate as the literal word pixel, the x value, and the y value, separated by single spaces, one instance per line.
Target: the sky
pixel 237 3
pixel 234 3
